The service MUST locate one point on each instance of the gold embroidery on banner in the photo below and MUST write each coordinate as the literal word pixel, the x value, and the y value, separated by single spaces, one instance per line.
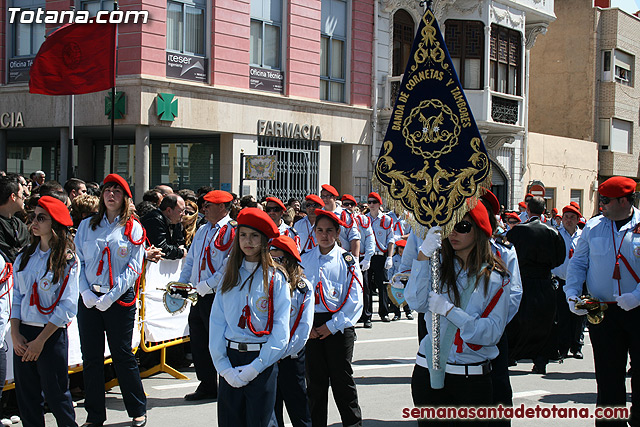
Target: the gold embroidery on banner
pixel 429 48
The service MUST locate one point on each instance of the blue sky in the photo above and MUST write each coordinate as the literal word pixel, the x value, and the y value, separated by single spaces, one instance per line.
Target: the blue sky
pixel 630 6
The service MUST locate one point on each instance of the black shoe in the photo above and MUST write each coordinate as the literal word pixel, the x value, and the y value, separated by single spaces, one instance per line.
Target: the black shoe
pixel 396 317
pixel 513 362
pixel 578 354
pixel 140 423
pixel 409 316
pixel 88 424
pixel 368 324
pixel 200 395
pixel 539 369
pixel 385 319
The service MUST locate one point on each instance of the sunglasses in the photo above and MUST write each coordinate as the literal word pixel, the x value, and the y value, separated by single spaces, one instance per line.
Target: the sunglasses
pixel 463 227
pixel 348 204
pixel 606 200
pixel 273 209
pixel 372 202
pixel 513 222
pixel 313 205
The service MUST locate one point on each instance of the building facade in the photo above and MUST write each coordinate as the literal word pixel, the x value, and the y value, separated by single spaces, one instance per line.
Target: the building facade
pixel 204 83
pixel 583 89
pixel 489 42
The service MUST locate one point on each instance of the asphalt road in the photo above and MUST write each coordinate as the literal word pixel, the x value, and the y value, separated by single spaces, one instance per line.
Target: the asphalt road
pixel 383 361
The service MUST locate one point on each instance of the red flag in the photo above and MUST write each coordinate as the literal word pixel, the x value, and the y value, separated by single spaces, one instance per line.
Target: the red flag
pixel 75 59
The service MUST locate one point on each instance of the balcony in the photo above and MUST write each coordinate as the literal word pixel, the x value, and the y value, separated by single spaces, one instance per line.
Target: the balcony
pixel 504 110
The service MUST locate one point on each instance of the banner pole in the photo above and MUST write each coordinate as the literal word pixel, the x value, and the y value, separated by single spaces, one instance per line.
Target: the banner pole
pixel 113 101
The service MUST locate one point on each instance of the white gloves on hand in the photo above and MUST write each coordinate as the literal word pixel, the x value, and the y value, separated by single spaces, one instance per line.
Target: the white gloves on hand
pixel 231 377
pixel 247 373
pixel 364 265
pixel 627 301
pixel 203 288
pixel 572 306
pixel 438 304
pixel 89 298
pixel 388 263
pixel 432 241
pixel 103 303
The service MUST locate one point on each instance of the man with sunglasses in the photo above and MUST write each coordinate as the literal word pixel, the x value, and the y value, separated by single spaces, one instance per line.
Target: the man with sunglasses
pixel 607 256
pixel 349 235
pixel 540 248
pixel 304 227
pixel 275 208
pixel 14 234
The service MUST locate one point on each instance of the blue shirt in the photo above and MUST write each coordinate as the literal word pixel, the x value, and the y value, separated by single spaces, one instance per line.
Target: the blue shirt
pixel 36 271
pixel 510 259
pixel 382 232
pixel 194 269
pixel 287 230
pixel 228 307
pixel 367 242
pixel 570 243
pixel 5 289
pixel 299 337
pixel 595 257
pixel 348 233
pixel 410 253
pixel 473 329
pixel 307 234
pixel 335 277
pixel 126 258
pixel 400 226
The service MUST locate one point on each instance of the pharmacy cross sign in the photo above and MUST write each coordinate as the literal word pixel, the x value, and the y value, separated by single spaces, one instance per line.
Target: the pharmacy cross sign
pixel 167 106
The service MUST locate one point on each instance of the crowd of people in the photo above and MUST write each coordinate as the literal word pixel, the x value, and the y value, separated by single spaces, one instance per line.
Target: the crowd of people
pixel 281 288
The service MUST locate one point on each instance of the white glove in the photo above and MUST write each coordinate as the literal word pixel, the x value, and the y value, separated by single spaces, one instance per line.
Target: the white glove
pixel 103 303
pixel 231 377
pixel 364 265
pixel 627 301
pixel 388 263
pixel 432 241
pixel 203 288
pixel 572 301
pixel 438 304
pixel 247 373
pixel 89 298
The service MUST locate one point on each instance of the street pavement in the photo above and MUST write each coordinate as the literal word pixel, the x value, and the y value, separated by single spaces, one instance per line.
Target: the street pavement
pixel 383 362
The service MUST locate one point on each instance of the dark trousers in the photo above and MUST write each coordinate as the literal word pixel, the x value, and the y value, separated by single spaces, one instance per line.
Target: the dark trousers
pixel 570 325
pixel 422 327
pixel 117 322
pixel 367 303
pixel 474 390
pixel 3 368
pixel 377 276
pixel 502 392
pixel 292 391
pixel 46 375
pixel 329 361
pixel 615 337
pixel 199 333
pixel 251 405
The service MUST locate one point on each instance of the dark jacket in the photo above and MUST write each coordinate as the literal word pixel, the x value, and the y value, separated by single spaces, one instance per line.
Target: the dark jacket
pixel 14 235
pixel 163 235
pixel 540 248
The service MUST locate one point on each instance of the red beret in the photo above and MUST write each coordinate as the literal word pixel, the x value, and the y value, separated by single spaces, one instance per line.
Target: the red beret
pixel 287 244
pixel 581 221
pixel 575 205
pixel 572 209
pixel 114 177
pixel 277 202
pixel 554 211
pixel 331 189
pixel 522 205
pixel 481 218
pixel 493 201
pixel 617 186
pixel 401 243
pixel 258 220
pixel 56 209
pixel 528 195
pixel 349 197
pixel 330 215
pixel 314 198
pixel 218 196
pixel 375 196
pixel 513 215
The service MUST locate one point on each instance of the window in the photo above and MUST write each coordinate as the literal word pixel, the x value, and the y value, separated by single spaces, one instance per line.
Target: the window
pixel 93 6
pixel 266 30
pixel 186 27
pixel 403 34
pixel 465 41
pixel 505 60
pixel 333 52
pixel 186 164
pixel 621 133
pixel 606 66
pixel 617 66
pixel 550 198
pixel 576 196
pixel 27 38
pixel 604 133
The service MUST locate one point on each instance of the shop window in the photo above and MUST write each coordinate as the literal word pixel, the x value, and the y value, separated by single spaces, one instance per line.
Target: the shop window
pixel 333 50
pixel 266 33
pixel 186 27
pixel 465 42
pixel 505 59
pixel 186 164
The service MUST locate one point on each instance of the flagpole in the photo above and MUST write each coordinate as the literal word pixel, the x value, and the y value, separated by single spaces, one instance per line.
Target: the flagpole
pixel 72 115
pixel 113 100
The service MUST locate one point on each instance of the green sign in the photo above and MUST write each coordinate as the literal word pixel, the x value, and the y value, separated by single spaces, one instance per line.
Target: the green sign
pixel 121 105
pixel 167 105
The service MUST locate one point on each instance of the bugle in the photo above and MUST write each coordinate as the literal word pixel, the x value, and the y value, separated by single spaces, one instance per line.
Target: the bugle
pixel 176 295
pixel 595 308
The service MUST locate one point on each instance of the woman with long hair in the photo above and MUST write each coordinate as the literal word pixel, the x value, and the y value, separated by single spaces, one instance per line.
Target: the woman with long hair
pixel 110 246
pixel 473 304
pixel 249 324
pixel 292 388
pixel 45 300
pixel 337 279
